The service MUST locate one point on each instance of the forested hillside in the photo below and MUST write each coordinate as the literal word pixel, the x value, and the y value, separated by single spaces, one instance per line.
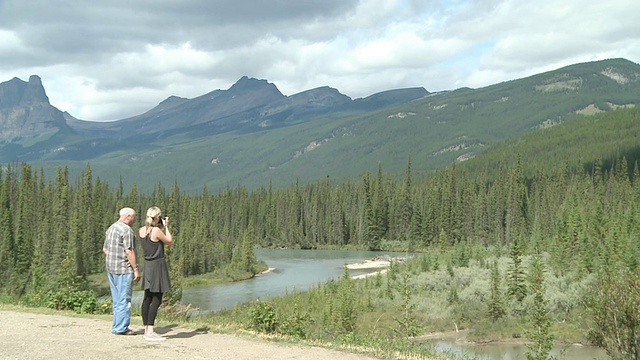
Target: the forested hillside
pixel 559 204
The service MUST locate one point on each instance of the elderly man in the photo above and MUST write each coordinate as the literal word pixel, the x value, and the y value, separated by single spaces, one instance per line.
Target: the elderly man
pixel 122 269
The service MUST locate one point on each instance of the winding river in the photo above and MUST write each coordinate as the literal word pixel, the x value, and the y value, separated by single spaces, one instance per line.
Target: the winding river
pixel 292 270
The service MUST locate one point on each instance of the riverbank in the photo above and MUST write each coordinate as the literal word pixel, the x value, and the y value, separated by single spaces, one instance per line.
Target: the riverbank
pixel 375 263
pixel 378 265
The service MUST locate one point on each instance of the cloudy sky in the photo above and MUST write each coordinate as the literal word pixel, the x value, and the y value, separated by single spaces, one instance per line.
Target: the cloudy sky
pixel 108 60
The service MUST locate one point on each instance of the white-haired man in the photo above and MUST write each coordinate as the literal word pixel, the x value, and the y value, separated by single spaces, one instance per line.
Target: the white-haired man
pixel 122 268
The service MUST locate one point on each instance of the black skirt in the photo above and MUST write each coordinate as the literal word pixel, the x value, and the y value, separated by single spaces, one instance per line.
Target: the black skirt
pixel 156 276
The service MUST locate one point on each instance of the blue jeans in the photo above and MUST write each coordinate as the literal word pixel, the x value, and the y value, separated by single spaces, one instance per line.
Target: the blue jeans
pixel 121 291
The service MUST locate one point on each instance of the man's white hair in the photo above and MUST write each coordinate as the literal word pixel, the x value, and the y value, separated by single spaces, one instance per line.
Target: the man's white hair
pixel 127 211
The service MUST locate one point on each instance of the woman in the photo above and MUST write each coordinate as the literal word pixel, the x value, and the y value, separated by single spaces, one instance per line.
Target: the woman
pixel 155 280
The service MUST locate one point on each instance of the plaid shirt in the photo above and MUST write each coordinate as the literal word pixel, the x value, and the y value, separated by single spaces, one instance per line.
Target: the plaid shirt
pixel 119 238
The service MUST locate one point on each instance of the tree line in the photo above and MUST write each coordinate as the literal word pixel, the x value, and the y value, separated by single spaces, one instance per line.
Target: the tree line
pixel 585 220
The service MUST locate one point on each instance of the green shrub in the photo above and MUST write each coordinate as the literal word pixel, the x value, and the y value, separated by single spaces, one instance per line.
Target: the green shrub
pixel 614 305
pixel 104 307
pixel 263 318
pixel 295 325
pixel 34 299
pixel 82 302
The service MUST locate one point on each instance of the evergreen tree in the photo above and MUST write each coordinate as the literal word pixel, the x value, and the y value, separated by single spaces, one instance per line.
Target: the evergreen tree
pixel 60 219
pixel 91 238
pixel 407 202
pixel 416 235
pixel 443 239
pixel 516 210
pixel 6 228
pixel 338 222
pixel 497 203
pixel 539 317
pixel 248 259
pixel 344 311
pixel 380 206
pixel 38 273
pixel 24 232
pixel 75 250
pixel 408 326
pixel 372 231
pixel 516 282
pixel 496 301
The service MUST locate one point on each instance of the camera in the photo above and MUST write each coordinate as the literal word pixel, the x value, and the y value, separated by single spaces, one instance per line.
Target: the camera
pixel 161 220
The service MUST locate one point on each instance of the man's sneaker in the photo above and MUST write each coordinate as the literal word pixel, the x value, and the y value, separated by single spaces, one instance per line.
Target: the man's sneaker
pixel 154 337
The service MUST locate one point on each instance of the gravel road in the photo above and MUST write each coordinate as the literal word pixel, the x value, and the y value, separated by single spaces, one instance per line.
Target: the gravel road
pixel 26 335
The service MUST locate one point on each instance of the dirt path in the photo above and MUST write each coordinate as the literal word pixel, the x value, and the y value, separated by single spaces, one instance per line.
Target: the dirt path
pixel 38 336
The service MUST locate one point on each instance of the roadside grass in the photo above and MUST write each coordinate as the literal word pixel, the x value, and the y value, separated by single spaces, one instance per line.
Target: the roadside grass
pixel 17 307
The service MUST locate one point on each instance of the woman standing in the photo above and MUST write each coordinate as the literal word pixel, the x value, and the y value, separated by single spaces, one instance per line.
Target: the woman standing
pixel 154 235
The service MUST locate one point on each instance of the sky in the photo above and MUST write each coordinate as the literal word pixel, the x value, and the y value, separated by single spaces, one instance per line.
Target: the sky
pixel 110 60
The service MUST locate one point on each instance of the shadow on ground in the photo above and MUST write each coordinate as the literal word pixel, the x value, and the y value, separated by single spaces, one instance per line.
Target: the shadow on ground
pixel 165 330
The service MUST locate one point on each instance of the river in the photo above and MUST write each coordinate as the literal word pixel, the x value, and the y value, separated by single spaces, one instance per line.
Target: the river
pixel 292 270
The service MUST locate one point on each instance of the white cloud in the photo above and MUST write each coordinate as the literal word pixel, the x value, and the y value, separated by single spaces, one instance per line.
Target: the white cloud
pixel 106 61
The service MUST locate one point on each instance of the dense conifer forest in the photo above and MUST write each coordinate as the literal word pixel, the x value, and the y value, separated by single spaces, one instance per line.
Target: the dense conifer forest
pixel 549 222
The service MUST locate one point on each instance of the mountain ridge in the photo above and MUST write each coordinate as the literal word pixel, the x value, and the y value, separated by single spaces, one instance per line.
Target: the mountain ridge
pixel 270 137
pixel 249 100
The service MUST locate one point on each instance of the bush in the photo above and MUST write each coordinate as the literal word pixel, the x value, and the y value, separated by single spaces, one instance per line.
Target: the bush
pixel 566 293
pixel 263 318
pixel 104 307
pixel 614 305
pixel 295 325
pixel 82 302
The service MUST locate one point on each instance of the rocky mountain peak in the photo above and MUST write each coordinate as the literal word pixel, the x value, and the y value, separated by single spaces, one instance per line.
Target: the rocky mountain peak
pixel 248 85
pixel 25 110
pixel 16 92
pixel 34 92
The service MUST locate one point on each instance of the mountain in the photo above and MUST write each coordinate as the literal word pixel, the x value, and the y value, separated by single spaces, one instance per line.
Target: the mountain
pixel 249 105
pixel 253 135
pixel 218 108
pixel 25 111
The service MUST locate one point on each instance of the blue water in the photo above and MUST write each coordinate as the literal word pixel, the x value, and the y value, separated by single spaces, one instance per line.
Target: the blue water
pixel 293 270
